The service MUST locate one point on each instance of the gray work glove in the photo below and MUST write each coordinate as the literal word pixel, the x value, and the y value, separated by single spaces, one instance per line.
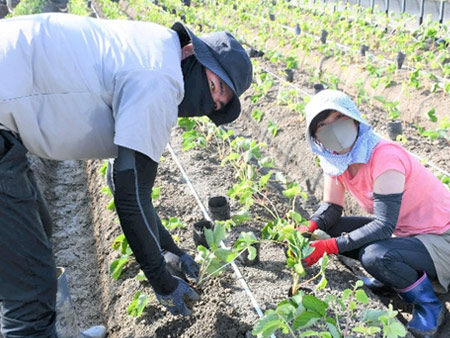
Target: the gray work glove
pixel 182 266
pixel 175 301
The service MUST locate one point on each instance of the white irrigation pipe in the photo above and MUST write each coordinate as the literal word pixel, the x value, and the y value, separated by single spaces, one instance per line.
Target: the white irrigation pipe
pixel 206 215
pixel 446 173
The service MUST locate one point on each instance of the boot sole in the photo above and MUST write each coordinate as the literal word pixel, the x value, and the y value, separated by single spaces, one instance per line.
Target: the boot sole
pixel 430 333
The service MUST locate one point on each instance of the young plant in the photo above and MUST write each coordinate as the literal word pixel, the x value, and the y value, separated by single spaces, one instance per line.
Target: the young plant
pixel 306 316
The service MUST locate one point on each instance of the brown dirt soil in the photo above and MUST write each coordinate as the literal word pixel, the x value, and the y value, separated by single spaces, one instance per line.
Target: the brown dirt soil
pixel 85 230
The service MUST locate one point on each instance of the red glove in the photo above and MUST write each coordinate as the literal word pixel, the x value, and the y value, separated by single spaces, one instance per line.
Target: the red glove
pixel 327 245
pixel 308 228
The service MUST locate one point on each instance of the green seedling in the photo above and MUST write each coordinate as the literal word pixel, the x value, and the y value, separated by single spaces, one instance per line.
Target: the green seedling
pixel 307 316
pixel 215 259
pixel 173 223
pixel 137 306
pixel 390 107
pixel 121 244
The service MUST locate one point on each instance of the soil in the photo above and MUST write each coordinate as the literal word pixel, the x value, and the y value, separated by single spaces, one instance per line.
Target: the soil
pixel 84 229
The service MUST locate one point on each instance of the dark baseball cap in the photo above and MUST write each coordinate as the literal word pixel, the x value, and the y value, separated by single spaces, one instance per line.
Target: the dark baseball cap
pixel 222 54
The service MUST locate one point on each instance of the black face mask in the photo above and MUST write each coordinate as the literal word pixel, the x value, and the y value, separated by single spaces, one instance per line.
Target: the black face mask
pixel 197 99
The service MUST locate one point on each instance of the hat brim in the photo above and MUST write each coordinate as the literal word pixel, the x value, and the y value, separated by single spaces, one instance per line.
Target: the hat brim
pixel 228 114
pixel 204 54
pixel 206 57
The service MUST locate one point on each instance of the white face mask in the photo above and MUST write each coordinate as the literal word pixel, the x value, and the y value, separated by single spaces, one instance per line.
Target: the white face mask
pixel 339 135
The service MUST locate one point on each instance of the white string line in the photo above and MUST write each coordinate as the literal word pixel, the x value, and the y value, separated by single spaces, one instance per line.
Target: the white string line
pixel 446 173
pixel 347 48
pixel 207 217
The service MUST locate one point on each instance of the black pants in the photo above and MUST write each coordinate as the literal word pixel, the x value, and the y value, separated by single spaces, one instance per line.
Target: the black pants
pixel 397 262
pixel 27 267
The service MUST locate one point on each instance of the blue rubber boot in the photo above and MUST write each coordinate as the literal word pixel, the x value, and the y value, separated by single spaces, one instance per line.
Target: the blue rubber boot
pixel 375 285
pixel 66 318
pixel 427 313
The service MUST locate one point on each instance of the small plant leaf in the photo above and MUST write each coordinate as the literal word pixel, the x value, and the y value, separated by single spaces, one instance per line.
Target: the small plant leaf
pixel 322 284
pixel 117 266
pixel 314 304
pixel 266 326
pixel 361 296
pixel 241 217
pixel 394 330
pixel 305 319
pixel 138 304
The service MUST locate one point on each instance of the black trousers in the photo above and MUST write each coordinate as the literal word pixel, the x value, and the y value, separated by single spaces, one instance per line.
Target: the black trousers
pixel 397 262
pixel 27 268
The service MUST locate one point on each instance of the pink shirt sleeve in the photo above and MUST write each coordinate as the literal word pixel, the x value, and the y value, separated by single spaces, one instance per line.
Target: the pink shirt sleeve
pixel 390 157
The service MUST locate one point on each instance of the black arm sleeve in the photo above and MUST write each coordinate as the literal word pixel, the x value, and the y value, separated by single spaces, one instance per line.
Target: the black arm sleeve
pixel 134 176
pixel 327 215
pixel 386 209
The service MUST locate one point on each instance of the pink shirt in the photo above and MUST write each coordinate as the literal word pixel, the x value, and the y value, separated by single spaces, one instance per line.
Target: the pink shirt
pixel 426 201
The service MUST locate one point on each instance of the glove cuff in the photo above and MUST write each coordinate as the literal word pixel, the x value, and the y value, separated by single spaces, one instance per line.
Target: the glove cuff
pixel 164 284
pixel 331 246
pixel 312 226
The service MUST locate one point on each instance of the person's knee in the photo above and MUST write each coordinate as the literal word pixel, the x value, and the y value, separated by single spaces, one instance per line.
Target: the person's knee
pixel 28 319
pixel 374 257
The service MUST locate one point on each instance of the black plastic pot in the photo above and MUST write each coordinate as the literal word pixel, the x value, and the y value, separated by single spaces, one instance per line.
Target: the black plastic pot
pixel 297 29
pixel 394 129
pixel 259 54
pixel 318 87
pixel 219 208
pixel 289 74
pixel 198 234
pixel 441 41
pixel 399 59
pixel 187 2
pixel 234 7
pixel 183 17
pixel 251 52
pixel 274 2
pixel 364 49
pixel 244 256
pixel 323 36
pixel 272 17
pixel 173 11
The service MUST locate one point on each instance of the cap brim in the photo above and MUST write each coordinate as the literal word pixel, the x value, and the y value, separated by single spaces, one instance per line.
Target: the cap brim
pixel 228 114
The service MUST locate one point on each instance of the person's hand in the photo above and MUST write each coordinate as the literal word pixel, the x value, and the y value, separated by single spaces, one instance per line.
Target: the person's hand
pixel 311 227
pixel 328 246
pixel 189 267
pixel 175 301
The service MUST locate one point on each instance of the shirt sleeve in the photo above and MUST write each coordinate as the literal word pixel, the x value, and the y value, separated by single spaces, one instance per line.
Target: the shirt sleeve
pixel 145 108
pixel 389 157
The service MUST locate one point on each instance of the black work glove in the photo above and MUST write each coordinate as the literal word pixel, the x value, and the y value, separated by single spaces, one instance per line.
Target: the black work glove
pixel 182 266
pixel 175 301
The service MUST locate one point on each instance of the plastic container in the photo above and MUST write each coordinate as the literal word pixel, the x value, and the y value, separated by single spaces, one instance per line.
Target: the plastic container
pixel 198 232
pixel 243 258
pixel 363 50
pixel 318 87
pixel 219 208
pixel 394 129
pixel 323 36
pixel 297 29
pixel 289 74
pixel 399 59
